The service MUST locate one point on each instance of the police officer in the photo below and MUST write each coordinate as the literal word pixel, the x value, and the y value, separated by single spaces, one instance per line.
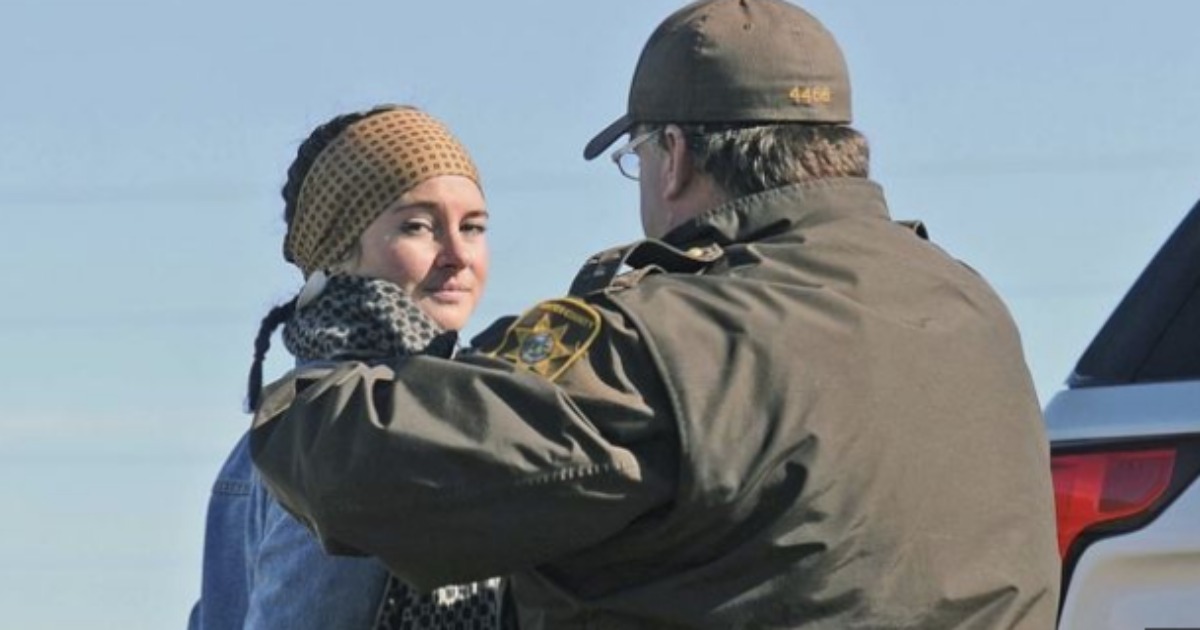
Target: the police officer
pixel 784 410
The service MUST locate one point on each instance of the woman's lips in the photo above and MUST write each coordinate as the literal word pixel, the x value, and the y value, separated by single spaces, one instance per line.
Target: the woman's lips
pixel 449 293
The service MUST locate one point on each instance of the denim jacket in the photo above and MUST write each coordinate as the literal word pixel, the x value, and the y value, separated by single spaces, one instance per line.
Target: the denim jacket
pixel 263 569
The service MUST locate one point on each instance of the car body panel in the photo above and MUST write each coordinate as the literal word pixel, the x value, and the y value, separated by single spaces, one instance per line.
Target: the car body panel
pixel 1117 412
pixel 1149 578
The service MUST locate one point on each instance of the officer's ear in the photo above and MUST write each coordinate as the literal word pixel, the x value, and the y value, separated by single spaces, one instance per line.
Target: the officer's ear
pixel 678 166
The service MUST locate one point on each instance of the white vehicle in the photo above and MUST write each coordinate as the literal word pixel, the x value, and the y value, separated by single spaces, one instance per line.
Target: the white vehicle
pixel 1125 441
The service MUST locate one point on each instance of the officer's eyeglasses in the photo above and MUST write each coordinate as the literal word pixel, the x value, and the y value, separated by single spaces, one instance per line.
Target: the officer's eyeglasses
pixel 626 158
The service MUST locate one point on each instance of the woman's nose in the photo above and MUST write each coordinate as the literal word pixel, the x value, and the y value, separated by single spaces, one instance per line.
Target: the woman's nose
pixel 454 252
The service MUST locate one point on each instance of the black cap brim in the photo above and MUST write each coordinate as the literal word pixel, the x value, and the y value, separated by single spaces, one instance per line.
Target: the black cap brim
pixel 606 138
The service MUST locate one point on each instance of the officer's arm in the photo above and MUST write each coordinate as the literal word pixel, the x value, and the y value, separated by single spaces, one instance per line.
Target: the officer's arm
pixel 459 470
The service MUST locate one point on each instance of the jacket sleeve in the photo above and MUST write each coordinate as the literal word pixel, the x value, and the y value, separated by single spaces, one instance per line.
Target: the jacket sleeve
pixel 457 470
pixel 295 585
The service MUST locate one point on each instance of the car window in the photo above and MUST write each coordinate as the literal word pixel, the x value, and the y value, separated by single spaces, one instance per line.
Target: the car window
pixel 1154 333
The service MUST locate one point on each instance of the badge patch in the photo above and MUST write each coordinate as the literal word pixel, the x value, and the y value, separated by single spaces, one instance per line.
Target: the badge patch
pixel 551 336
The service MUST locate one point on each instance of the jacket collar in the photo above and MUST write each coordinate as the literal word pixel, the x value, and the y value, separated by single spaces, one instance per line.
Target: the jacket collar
pixel 784 209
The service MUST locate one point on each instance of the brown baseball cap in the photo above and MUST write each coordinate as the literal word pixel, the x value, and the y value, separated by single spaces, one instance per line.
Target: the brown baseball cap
pixel 735 61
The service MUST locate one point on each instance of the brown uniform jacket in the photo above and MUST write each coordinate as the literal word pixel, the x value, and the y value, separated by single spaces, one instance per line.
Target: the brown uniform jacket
pixel 820 421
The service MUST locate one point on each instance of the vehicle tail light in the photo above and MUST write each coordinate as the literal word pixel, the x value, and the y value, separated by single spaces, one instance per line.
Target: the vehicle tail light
pixel 1095 489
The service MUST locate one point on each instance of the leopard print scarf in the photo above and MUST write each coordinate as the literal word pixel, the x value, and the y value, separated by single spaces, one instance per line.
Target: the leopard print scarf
pixel 366 318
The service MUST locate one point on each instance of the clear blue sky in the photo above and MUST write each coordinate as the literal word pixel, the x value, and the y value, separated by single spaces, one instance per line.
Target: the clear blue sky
pixel 1053 145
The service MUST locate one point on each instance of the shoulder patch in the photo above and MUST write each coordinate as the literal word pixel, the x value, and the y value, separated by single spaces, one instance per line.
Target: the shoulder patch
pixel 550 337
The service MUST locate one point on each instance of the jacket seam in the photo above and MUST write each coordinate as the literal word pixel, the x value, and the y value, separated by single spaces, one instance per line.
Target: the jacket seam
pixel 461 493
pixel 681 431
pixel 229 486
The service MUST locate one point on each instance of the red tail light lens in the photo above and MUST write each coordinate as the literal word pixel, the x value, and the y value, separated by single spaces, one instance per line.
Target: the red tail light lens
pixel 1096 488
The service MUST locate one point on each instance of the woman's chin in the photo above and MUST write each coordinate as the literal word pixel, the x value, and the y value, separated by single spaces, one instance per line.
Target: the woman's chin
pixel 448 316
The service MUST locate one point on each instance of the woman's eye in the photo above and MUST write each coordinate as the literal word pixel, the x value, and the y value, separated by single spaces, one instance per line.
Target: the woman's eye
pixel 416 227
pixel 475 228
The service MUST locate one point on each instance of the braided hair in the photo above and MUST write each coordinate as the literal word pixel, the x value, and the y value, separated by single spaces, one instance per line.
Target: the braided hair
pixel 306 155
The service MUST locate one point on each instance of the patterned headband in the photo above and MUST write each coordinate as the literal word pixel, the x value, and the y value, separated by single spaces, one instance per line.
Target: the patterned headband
pixel 362 173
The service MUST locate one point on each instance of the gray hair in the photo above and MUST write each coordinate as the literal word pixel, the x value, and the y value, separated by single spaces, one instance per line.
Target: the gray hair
pixel 746 160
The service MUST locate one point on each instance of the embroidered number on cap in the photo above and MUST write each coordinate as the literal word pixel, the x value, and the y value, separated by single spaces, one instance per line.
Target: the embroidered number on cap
pixel 551 336
pixel 810 95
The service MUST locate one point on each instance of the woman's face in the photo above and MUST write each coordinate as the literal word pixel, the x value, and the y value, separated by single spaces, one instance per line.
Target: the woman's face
pixel 433 244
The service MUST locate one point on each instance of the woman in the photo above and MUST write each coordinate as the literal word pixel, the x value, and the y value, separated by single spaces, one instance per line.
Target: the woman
pixel 388 223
